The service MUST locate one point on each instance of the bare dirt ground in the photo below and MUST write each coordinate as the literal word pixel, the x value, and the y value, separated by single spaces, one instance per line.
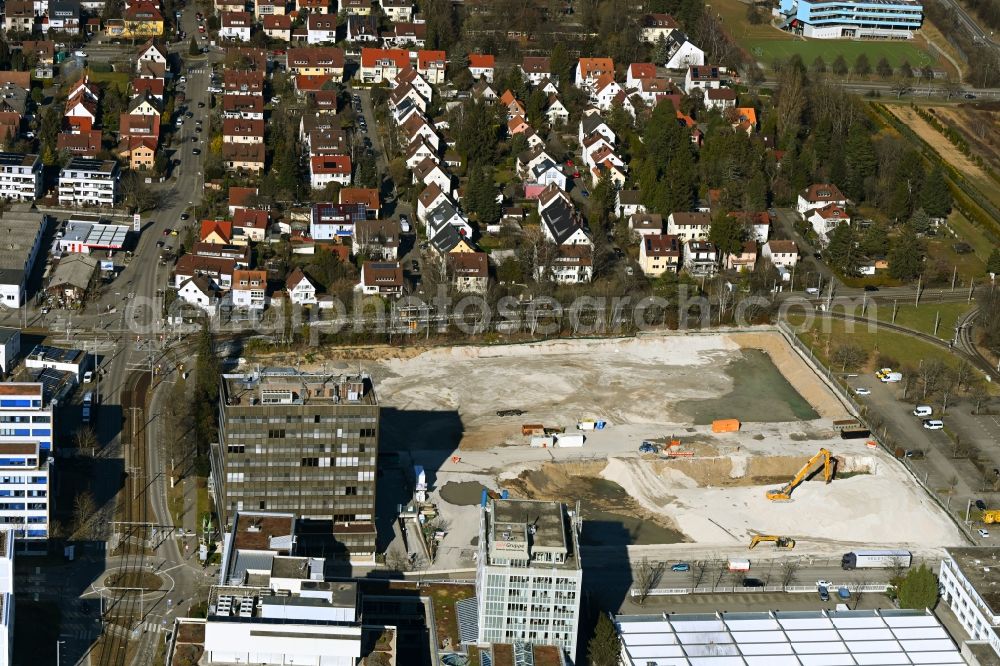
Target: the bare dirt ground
pixel 937 141
pixel 977 123
pixel 439 411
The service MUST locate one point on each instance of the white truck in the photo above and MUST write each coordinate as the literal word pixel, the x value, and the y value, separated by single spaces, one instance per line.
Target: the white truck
pixel 739 564
pixel 875 559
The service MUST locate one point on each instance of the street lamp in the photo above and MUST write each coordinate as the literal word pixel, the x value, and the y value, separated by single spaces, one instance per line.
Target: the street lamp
pixel 58 643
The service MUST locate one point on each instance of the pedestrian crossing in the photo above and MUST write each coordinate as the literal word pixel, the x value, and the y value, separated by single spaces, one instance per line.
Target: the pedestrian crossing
pixel 200 70
pixel 152 627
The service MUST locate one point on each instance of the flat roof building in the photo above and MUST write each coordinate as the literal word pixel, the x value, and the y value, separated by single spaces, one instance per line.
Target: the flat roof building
pixel 302 443
pixel 529 574
pixel 88 182
pixel 20 176
pixel 780 638
pixel 864 19
pixel 970 584
pixel 6 597
pixel 21 230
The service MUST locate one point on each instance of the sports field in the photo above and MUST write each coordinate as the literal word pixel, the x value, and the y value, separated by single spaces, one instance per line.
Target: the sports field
pixel 769 50
pixel 767 44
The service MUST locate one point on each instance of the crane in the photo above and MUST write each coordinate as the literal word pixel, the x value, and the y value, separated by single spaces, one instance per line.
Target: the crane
pixel 784 493
pixel 779 541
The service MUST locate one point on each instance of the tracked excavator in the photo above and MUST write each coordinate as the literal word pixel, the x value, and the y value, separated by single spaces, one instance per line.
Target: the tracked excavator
pixel 779 541
pixel 784 494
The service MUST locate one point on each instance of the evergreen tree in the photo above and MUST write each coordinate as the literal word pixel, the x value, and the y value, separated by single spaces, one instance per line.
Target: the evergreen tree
pixel 840 66
pixel 993 263
pixel 920 221
pixel 906 257
pixel 905 70
pixel 819 65
pixel 918 589
pixel 727 233
pixel 862 67
pixel 604 649
pixel 883 68
pixel 935 197
pixel 560 63
pixel 861 161
pixel 875 241
pixel 841 252
pixel 193 47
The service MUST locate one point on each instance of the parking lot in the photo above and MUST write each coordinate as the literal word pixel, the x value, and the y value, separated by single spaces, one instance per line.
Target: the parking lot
pixel 957 480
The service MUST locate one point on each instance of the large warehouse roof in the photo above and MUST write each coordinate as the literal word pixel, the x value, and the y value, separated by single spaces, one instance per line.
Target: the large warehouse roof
pixel 803 638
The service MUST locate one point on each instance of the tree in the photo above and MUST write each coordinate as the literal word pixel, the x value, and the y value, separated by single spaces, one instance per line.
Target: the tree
pixel 84 508
pixel 993 263
pixel 604 649
pixel 849 356
pixel 819 65
pixel 841 252
pixel 883 68
pixel 86 441
pixel 947 383
pixel 918 589
pixel 840 66
pixel 935 197
pixel 920 221
pixel 905 70
pixel 647 576
pixel 789 570
pixel 930 374
pixel 862 67
pixel 980 393
pixel 728 233
pixel 906 256
pixel 193 48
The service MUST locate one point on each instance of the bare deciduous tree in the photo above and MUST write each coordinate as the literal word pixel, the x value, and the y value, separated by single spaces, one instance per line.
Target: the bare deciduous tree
pixel 84 509
pixel 930 375
pixel 789 570
pixel 647 575
pixel 698 570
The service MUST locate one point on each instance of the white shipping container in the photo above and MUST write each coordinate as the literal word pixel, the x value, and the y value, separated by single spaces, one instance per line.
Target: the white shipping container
pixel 543 442
pixel 586 425
pixel 569 440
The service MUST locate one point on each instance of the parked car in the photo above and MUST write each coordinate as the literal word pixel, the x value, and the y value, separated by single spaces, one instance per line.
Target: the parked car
pixel 862 391
pixel 681 566
pixel 196 151
pixel 753 582
pixel 984 533
pixel 870 287
pixel 88 376
pixel 79 54
pixel 824 593
pixel 933 424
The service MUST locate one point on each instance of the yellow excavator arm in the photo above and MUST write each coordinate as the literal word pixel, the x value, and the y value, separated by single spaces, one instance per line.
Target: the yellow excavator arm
pixel 785 492
pixel 779 541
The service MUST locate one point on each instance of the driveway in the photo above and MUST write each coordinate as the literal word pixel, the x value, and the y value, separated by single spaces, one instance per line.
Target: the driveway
pixel 785 220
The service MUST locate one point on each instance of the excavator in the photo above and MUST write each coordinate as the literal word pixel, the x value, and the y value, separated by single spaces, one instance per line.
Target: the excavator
pixel 784 494
pixel 779 541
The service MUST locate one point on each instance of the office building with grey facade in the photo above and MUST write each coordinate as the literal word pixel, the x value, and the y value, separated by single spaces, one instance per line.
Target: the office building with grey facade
pixel 529 574
pixel 302 443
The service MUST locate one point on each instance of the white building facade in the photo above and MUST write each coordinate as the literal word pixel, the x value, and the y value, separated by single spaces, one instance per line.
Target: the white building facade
pixel 26 427
pixel 20 176
pixel 87 182
pixel 529 574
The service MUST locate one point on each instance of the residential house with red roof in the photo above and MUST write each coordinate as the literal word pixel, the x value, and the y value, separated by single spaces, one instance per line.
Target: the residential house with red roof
pixel 382 64
pixel 432 65
pixel 326 169
pixel 481 66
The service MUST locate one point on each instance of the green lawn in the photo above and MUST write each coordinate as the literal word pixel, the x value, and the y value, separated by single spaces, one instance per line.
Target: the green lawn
pixel 922 318
pixel 825 335
pixel 767 50
pixel 118 79
pixel 971 234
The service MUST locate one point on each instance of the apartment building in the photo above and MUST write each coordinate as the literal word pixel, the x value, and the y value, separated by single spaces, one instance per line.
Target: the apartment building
pixel 26 427
pixel 865 19
pixel 88 182
pixel 302 443
pixel 20 176
pixel 529 574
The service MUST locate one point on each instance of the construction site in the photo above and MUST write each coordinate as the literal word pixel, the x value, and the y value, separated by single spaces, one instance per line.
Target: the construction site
pixel 698 441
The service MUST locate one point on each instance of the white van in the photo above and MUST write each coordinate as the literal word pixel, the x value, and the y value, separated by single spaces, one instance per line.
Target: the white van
pixel 88 398
pixel 923 410
pixel 934 424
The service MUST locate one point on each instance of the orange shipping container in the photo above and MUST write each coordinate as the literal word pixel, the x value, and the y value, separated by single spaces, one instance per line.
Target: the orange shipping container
pixel 532 429
pixel 726 425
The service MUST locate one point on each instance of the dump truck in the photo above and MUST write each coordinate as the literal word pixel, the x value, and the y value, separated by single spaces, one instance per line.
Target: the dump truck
pixel 647 447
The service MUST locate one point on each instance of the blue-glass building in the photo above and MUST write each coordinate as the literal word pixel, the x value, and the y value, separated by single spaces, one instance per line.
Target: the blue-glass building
pixel 872 19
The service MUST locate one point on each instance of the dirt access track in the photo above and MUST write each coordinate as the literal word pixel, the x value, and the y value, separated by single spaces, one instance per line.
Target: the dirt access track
pixel 440 412
pixel 939 142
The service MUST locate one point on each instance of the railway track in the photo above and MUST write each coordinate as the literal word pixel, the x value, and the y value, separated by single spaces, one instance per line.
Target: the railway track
pixel 123 612
pixel 965 347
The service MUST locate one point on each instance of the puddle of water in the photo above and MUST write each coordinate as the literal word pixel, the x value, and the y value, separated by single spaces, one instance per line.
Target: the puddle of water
pixel 606 528
pixel 464 493
pixel 759 393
